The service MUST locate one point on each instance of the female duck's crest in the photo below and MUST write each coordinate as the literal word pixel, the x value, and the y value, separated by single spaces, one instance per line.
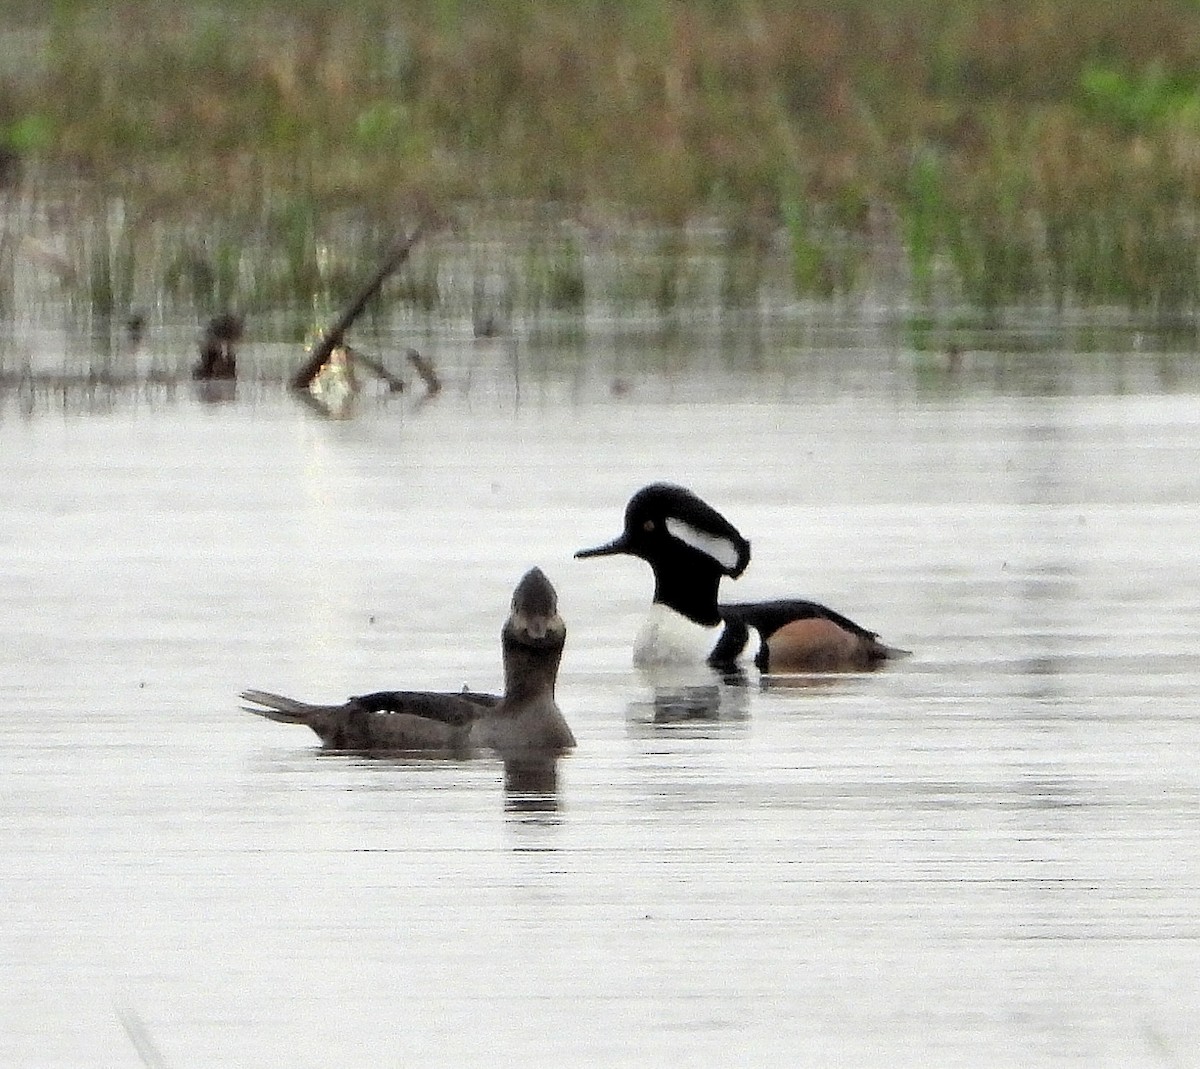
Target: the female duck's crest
pixel 534 619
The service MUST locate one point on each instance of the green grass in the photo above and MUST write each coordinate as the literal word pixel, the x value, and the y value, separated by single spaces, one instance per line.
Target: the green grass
pixel 1019 152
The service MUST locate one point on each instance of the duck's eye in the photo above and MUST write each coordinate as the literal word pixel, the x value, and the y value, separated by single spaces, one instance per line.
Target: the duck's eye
pixel 648 525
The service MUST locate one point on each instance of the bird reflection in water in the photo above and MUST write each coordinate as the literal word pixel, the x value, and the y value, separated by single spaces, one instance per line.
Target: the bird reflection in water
pixel 531 784
pixel 803 682
pixel 690 696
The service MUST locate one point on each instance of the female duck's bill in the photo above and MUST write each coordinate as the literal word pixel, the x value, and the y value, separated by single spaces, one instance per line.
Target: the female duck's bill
pixel 690 548
pixel 523 723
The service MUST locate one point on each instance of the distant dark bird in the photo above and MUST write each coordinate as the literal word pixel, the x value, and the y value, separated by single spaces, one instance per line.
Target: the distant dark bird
pixel 218 348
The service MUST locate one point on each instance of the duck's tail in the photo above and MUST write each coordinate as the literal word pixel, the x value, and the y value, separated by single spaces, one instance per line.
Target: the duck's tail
pixel 880 652
pixel 387 720
pixel 285 710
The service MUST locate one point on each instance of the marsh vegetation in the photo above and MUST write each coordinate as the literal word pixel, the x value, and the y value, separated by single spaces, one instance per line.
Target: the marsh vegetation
pixel 632 157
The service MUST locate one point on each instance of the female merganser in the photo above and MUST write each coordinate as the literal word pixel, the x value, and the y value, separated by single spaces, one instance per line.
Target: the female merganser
pixel 524 722
pixel 690 547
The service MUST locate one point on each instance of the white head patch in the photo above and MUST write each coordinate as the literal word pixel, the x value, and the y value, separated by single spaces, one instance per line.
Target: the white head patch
pixel 722 550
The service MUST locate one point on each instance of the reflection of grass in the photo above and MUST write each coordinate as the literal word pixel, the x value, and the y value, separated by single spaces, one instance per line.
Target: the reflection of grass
pixel 1026 151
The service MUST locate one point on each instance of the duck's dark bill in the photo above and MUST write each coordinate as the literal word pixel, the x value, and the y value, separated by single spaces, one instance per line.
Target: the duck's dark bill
pixel 609 549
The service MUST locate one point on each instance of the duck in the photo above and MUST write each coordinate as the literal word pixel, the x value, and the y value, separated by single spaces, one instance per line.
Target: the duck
pixel 523 722
pixel 218 348
pixel 690 548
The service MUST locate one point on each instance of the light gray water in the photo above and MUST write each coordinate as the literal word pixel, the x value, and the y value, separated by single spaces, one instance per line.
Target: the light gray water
pixel 987 856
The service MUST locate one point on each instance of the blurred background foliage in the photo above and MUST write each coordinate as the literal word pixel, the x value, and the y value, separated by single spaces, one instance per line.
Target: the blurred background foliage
pixel 1015 151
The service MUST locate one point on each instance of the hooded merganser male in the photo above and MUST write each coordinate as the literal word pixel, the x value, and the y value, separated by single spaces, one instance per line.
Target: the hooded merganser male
pixel 525 721
pixel 690 547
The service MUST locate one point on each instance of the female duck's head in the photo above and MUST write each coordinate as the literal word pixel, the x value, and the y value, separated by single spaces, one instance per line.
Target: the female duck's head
pixel 533 636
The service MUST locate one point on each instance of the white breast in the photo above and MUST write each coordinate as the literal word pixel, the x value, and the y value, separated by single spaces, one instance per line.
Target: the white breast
pixel 667 637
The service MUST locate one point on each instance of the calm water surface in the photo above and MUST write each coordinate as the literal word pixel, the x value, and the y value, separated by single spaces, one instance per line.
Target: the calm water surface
pixel 988 856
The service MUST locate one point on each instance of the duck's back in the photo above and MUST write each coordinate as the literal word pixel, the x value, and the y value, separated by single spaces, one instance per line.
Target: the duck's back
pixel 391 720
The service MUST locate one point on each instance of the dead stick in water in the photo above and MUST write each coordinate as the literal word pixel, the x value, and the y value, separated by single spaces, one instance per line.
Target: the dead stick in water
pixel 332 338
pixel 396 385
pixel 426 370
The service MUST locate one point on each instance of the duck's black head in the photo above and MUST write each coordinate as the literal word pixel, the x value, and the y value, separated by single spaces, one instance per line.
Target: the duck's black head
pixel 665 523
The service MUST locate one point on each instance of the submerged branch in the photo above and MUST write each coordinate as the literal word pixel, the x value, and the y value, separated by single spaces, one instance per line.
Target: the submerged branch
pixel 332 338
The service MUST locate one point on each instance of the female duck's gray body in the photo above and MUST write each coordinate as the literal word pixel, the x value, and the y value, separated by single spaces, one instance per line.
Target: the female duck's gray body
pixel 524 720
